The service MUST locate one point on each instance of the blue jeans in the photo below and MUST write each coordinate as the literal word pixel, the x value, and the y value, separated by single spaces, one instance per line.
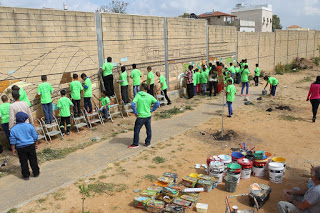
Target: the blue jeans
pixel 243 85
pixel 273 90
pixel 204 87
pixel 48 112
pixel 104 111
pixel 6 130
pixel 87 104
pixel 230 108
pixel 194 90
pixel 136 89
pixel 137 127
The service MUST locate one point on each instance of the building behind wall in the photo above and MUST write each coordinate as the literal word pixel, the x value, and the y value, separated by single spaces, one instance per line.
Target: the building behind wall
pixel 218 18
pixel 245 26
pixel 260 14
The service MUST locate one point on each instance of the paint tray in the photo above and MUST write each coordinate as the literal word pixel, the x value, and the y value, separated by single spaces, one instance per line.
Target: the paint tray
pixel 206 184
pixel 190 198
pixel 171 175
pixel 141 202
pixel 171 192
pixel 261 197
pixel 181 202
pixel 189 181
pixel 149 193
pixel 155 206
pixel 174 208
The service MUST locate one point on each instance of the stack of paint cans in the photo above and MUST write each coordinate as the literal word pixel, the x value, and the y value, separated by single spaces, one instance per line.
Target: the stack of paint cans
pixel 234 170
pixel 246 166
pixel 216 169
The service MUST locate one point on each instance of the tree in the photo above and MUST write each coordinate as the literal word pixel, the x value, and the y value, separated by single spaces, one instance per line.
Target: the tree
pixel 276 23
pixel 115 6
pixel 185 15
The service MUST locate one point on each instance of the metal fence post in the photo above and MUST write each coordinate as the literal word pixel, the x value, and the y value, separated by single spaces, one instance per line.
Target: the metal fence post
pixel 207 43
pixel 99 38
pixel 274 54
pixel 258 47
pixel 288 47
pixel 165 29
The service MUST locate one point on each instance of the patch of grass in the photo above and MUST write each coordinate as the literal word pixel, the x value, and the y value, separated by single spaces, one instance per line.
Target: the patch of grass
pixel 69 139
pixel 158 160
pixel 150 177
pixel 316 60
pixel 122 171
pixel 173 151
pixel 307 79
pixel 93 129
pixel 152 167
pixel 131 129
pixel 102 177
pixel 13 210
pixel 43 209
pixel 286 68
pixel 114 208
pixel 114 134
pixel 59 195
pixel 188 107
pixel 289 118
pixel 91 179
pixel 100 187
pixel 168 113
pixel 42 200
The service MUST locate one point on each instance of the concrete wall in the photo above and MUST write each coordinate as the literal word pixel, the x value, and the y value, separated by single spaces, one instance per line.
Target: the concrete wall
pixel 58 43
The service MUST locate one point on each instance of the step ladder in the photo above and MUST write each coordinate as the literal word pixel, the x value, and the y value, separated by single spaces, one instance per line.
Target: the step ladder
pixel 53 128
pixel 115 108
pixel 127 108
pixel 40 131
pixel 94 117
pixel 80 121
pixel 161 99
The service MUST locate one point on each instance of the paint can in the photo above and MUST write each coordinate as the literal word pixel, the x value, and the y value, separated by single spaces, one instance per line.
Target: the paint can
pixel 276 172
pixel 216 169
pixel 258 168
pixel 234 170
pixel 212 158
pixel 235 156
pixel 280 160
pixel 264 92
pixel 225 159
pixel 246 166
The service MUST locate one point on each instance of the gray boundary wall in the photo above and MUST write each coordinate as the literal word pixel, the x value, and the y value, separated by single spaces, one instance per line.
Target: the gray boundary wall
pixel 58 43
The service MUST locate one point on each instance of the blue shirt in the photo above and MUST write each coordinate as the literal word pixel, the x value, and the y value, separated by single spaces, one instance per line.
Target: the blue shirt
pixel 23 135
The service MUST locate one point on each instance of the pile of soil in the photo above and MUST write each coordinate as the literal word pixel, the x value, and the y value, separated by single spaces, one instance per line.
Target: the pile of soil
pixel 302 63
pixel 227 135
pixel 284 108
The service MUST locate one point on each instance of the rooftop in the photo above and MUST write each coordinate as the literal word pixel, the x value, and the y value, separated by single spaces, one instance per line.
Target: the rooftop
pixel 294 26
pixel 215 14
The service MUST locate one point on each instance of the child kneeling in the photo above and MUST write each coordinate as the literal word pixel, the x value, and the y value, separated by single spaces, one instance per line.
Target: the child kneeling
pixel 105 101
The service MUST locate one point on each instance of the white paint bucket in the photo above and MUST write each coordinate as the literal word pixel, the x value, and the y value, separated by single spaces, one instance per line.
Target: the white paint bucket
pixel 245 173
pixel 276 172
pixel 219 177
pixel 216 169
pixel 235 175
pixel 258 171
pixel 280 160
pixel 225 159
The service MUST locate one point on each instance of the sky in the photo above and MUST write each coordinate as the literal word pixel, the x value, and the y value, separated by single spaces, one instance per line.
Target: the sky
pixel 305 13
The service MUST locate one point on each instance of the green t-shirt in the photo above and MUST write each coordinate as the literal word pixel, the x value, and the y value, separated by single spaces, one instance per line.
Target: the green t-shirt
pixel 231 89
pixel 144 101
pixel 107 67
pixel 150 78
pixel 273 81
pixel 207 71
pixel 87 93
pixel 204 77
pixel 75 87
pixel 244 75
pixel 123 79
pixel 4 112
pixel 226 80
pixel 64 104
pixel 24 96
pixel 105 101
pixel 136 74
pixel 196 78
pixel 44 90
pixel 163 82
pixel 232 69
pixel 257 72
pixel 237 69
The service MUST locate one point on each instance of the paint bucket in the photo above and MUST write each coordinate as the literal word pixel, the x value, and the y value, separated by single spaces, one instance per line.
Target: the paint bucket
pixel 225 159
pixel 236 155
pixel 276 172
pixel 280 160
pixel 259 155
pixel 212 158
pixel 230 183
pixel 234 170
pixel 246 165
pixel 264 92
pixel 258 169
pixel 216 169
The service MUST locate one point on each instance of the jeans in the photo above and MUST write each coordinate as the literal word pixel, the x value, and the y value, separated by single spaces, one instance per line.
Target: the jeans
pixel 6 130
pixel 190 90
pixel 273 90
pixel 230 108
pixel 87 104
pixel 256 80
pixel 315 105
pixel 150 91
pixel 108 85
pixel 137 127
pixel 65 120
pixel 164 92
pixel 105 111
pixel 48 112
pixel 204 87
pixel 136 89
pixel 194 90
pixel 28 154
pixel 245 84
pixel 124 94
pixel 286 207
pixel 76 108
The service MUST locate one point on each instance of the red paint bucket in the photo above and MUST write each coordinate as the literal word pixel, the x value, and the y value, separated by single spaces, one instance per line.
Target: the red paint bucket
pixel 246 165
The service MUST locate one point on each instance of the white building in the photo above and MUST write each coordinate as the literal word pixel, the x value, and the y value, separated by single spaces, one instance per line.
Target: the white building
pixel 260 14
pixel 245 26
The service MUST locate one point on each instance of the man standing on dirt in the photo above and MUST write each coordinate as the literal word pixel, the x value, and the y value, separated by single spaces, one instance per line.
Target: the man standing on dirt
pixel 143 114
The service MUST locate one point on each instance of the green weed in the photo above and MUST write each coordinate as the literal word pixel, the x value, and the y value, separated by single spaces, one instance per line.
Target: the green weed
pixel 168 113
pixel 158 160
pixel 316 60
pixel 13 210
pixel 150 177
pixel 59 195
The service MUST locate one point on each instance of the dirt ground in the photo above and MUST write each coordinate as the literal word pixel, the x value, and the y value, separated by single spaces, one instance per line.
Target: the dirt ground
pixel 284 133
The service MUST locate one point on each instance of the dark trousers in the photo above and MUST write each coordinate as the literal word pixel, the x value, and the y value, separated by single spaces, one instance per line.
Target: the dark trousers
pixel 137 127
pixel 256 80
pixel 273 90
pixel 315 104
pixel 6 130
pixel 87 104
pixel 213 85
pixel 150 90
pixel 238 78
pixel 108 85
pixel 48 112
pixel 194 90
pixel 65 121
pixel 230 108
pixel 124 94
pixel 164 92
pixel 190 90
pixel 28 154
pixel 76 108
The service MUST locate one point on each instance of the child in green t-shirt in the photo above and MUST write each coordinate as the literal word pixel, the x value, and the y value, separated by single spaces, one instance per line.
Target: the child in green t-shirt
pixel 245 80
pixel 64 104
pixel 87 92
pixel 204 79
pixel 150 80
pixel 105 101
pixel 4 115
pixel 163 87
pixel 76 87
pixel 231 94
pixel 256 75
pixel 44 90
pixel 196 81
pixel 123 80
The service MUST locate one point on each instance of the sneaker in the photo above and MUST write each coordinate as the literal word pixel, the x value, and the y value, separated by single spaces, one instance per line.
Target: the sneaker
pixel 241 95
pixel 148 145
pixel 25 178
pixel 313 120
pixel 68 133
pixel 229 116
pixel 247 95
pixel 169 103
pixel 62 134
pixel 133 146
pixel 36 175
